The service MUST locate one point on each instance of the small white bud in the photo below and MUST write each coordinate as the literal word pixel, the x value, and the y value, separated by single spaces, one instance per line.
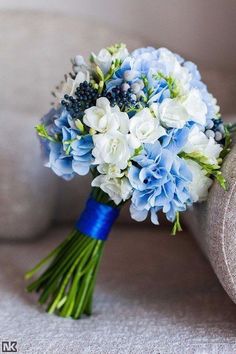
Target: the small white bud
pixel 210 133
pixel 134 97
pixel 218 136
pixel 125 86
pixel 135 88
pixel 221 128
pixel 210 124
pixel 141 84
pixel 129 75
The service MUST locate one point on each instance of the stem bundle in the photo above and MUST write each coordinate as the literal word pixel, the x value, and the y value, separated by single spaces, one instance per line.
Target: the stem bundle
pixel 68 282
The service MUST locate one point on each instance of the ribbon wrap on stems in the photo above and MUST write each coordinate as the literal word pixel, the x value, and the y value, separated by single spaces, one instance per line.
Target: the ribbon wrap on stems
pixel 97 219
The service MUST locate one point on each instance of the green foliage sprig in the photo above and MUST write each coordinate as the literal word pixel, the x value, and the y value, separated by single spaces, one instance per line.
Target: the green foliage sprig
pixel 211 170
pixel 43 133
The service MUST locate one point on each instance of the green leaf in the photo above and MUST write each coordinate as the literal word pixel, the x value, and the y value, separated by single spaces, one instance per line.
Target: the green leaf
pixel 115 65
pixel 171 82
pixel 228 141
pixel 211 170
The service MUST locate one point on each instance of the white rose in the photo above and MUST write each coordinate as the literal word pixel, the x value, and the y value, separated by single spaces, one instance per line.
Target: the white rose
pixel 103 60
pixel 172 113
pixel 112 148
pixel 200 183
pixel 195 107
pixel 198 142
pixel 145 128
pixel 118 189
pixel 103 118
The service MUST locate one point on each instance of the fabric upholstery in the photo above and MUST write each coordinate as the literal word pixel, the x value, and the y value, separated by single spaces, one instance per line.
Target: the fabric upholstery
pixel 214 225
pixel 155 294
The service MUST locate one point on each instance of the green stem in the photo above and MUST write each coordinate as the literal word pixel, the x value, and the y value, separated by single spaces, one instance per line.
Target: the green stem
pixel 30 273
pixel 53 305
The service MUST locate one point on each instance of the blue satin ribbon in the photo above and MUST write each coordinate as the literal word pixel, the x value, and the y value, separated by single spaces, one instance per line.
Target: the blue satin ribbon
pixel 97 219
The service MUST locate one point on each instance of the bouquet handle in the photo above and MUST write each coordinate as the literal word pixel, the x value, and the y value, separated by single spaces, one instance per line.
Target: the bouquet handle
pixel 67 284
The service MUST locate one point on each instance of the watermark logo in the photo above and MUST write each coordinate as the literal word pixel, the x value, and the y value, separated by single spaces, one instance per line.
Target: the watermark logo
pixel 9 346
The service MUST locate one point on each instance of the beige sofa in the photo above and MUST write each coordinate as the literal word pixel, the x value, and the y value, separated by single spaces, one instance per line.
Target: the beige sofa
pixel 155 293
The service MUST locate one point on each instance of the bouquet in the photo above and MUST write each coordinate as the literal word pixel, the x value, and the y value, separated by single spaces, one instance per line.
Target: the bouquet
pixel 147 129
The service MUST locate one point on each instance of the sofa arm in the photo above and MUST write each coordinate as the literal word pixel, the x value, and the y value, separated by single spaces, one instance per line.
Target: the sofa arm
pixel 213 224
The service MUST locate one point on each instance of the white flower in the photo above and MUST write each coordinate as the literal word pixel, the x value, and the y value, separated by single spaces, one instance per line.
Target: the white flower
pixel 170 66
pixel 195 107
pixel 104 118
pixel 121 53
pixel 198 142
pixel 103 60
pixel 69 86
pixel 79 64
pixel 110 170
pixel 145 128
pixel 112 148
pixel 118 189
pixel 212 103
pixel 172 113
pixel 200 183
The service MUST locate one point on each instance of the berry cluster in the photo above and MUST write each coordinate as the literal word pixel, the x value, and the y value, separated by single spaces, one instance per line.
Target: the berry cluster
pixel 85 97
pixel 124 99
pixel 215 129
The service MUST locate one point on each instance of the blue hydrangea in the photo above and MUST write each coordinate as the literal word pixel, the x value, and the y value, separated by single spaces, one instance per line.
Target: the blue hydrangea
pixel 160 180
pixel 142 63
pixel 71 153
pixel 175 139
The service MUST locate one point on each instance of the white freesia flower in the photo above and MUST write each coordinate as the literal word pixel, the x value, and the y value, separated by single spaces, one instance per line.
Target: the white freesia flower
pixel 104 58
pixel 118 189
pixel 104 118
pixel 200 183
pixel 198 142
pixel 170 66
pixel 110 170
pixel 145 128
pixel 195 107
pixel 121 53
pixel 70 85
pixel 172 113
pixel 113 148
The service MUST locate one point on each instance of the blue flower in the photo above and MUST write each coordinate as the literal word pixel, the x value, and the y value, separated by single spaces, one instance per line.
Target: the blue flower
pixel 175 139
pixel 160 88
pixel 71 154
pixel 59 162
pixel 133 68
pixel 138 52
pixel 160 180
